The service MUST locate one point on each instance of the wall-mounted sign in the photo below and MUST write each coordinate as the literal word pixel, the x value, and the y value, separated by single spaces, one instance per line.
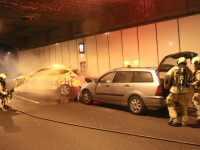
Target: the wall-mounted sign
pixel 81 48
pixel 83 66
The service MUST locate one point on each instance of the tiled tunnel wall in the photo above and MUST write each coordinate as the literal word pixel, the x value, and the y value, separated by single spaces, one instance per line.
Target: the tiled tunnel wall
pixel 141 46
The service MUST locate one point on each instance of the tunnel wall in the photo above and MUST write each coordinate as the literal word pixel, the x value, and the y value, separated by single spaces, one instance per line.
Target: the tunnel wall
pixel 141 46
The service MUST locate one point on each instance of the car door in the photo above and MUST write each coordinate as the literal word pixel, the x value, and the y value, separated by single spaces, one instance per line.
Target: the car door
pixel 122 85
pixel 103 87
pixel 37 80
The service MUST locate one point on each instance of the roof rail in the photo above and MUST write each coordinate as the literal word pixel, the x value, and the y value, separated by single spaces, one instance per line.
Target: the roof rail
pixel 136 67
pixel 120 68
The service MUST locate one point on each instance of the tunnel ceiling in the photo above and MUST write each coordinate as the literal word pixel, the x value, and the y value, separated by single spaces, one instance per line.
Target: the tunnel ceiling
pixel 34 23
pixel 21 19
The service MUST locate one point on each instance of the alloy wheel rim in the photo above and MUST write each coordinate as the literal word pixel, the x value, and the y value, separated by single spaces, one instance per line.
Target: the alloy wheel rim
pixel 86 97
pixel 65 90
pixel 135 105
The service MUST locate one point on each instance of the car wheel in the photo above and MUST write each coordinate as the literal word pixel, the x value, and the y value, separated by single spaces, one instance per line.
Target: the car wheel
pixel 136 105
pixel 65 89
pixel 87 97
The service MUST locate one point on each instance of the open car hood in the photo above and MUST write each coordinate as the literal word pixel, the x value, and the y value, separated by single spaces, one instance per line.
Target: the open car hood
pixel 170 61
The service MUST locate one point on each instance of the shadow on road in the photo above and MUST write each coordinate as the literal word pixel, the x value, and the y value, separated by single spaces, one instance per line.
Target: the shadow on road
pixel 196 125
pixel 153 112
pixel 7 121
pixel 157 112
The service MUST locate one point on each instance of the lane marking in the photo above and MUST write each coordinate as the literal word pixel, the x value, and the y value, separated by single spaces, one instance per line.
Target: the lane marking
pixel 27 99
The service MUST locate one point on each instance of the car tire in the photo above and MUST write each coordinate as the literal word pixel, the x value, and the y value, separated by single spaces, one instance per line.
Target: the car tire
pixel 136 105
pixel 65 89
pixel 87 97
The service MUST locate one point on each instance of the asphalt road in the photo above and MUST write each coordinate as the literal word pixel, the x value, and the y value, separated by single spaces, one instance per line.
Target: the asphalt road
pixel 48 122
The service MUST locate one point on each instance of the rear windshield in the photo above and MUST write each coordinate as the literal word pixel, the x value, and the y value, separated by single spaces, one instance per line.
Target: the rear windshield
pixel 140 76
pixel 170 61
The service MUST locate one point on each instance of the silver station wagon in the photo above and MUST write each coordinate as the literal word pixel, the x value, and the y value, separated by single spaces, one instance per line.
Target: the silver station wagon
pixel 137 88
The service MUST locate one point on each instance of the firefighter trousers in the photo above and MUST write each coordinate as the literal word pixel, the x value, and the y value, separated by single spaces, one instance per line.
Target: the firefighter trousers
pixel 196 102
pixel 182 101
pixel 7 101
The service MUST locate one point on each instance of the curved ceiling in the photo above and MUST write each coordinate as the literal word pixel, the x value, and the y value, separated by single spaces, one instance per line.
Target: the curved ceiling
pixel 21 19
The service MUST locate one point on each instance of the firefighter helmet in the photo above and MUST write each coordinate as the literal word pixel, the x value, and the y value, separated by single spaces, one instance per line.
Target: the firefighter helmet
pixel 196 61
pixel 3 76
pixel 182 60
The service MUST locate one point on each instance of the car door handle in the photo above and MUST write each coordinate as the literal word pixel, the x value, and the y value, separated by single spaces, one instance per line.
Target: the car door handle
pixel 126 85
pixel 107 85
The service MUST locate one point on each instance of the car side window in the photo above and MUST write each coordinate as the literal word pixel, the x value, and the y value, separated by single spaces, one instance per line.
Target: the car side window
pixel 140 76
pixel 41 72
pixel 124 77
pixel 55 72
pixel 108 78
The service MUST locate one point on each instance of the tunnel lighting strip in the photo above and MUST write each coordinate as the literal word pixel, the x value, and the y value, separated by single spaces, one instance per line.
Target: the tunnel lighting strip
pixel 113 131
pixel 27 99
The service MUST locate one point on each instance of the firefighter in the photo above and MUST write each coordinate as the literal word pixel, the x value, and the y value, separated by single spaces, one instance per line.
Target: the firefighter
pixel 196 86
pixel 177 80
pixel 4 92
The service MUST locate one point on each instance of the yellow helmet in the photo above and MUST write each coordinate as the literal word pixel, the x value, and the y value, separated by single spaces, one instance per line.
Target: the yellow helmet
pixel 182 60
pixel 196 61
pixel 3 76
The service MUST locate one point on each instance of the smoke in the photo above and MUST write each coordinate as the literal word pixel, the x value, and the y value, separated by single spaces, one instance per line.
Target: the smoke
pixel 25 88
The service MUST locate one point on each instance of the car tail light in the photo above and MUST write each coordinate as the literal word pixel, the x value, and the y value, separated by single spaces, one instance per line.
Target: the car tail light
pixel 159 90
pixel 75 77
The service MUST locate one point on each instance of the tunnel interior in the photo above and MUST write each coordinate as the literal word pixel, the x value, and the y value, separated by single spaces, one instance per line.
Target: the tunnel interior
pixel 8 60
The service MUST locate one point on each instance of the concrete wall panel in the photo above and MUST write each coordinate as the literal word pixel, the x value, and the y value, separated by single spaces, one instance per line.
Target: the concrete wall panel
pixel 167 36
pixel 130 47
pixel 42 57
pixel 47 56
pixel 115 49
pixel 147 46
pixel 92 55
pixel 37 58
pixel 58 53
pixel 190 34
pixel 73 54
pixel 103 53
pixel 52 54
pixel 65 53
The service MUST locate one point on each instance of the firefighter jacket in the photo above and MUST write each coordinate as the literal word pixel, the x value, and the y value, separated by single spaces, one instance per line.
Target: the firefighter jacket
pixel 171 77
pixel 196 83
pixel 2 91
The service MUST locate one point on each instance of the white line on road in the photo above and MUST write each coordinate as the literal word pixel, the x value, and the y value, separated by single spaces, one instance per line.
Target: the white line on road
pixel 27 99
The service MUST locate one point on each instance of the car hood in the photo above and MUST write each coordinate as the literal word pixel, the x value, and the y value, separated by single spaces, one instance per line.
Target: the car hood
pixel 170 61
